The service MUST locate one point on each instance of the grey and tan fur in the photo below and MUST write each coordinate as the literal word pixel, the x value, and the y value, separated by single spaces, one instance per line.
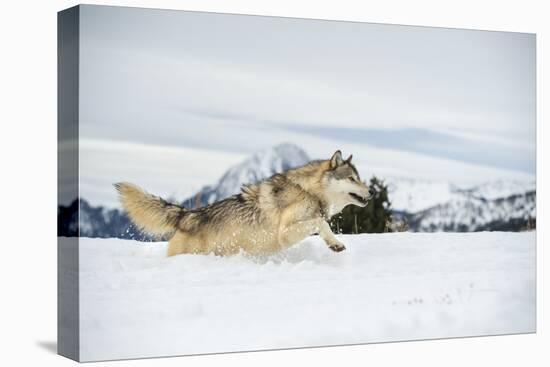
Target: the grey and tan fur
pixel 264 218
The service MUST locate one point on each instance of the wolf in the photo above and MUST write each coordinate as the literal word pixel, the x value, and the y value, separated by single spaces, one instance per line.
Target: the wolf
pixel 263 218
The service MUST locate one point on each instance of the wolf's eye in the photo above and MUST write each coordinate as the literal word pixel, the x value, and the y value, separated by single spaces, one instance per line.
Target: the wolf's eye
pixel 351 178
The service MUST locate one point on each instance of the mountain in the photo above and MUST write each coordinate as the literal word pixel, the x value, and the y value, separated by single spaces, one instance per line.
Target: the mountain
pixel 500 205
pixel 470 213
pixel 415 195
pixel 425 206
pixel 96 221
pixel 261 165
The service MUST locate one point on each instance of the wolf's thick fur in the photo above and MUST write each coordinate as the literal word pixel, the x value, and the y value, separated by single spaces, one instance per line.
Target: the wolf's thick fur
pixel 264 218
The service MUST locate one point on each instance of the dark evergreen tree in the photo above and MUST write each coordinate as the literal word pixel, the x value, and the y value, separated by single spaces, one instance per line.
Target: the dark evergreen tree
pixel 373 218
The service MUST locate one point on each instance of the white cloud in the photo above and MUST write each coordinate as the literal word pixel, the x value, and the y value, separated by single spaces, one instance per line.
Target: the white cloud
pixel 212 80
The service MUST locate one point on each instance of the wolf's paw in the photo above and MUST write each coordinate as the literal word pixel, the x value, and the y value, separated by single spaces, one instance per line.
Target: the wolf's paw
pixel 336 247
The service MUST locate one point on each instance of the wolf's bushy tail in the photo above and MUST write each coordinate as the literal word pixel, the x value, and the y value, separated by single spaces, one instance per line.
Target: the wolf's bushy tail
pixel 150 213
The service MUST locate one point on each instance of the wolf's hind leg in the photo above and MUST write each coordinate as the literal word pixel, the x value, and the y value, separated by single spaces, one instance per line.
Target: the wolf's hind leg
pixel 186 243
pixel 178 244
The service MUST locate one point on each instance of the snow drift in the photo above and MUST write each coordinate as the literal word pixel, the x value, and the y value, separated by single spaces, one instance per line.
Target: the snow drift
pixel 135 302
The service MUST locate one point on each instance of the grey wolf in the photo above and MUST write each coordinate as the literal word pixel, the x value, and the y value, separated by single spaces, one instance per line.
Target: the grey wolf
pixel 263 218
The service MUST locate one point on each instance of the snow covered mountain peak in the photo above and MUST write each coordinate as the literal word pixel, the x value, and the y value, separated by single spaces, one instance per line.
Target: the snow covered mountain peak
pixel 259 166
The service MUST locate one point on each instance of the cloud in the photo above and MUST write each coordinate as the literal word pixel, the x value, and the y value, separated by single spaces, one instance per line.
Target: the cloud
pixel 210 80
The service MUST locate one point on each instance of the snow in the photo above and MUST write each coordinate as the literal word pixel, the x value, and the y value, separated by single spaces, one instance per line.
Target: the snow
pixel 135 302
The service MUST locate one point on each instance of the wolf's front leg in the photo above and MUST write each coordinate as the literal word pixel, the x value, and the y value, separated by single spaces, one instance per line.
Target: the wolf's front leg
pixel 290 234
pixel 326 233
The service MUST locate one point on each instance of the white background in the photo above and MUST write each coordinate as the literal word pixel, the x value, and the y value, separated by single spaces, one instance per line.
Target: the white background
pixel 28 184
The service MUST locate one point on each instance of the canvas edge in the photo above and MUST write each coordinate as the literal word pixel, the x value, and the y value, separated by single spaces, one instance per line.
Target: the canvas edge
pixel 68 42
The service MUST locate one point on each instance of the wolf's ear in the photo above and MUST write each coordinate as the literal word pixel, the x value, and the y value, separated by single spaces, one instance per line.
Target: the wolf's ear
pixel 336 159
pixel 349 158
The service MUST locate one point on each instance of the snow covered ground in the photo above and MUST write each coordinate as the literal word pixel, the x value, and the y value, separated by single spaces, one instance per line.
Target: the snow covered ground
pixel 135 302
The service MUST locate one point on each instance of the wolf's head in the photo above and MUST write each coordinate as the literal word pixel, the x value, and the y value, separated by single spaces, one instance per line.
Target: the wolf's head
pixel 342 184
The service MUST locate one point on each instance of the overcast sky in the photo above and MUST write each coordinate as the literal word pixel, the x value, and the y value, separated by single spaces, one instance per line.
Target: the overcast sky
pixel 239 83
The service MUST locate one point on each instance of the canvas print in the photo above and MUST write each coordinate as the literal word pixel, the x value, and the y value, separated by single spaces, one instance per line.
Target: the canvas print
pixel 237 183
